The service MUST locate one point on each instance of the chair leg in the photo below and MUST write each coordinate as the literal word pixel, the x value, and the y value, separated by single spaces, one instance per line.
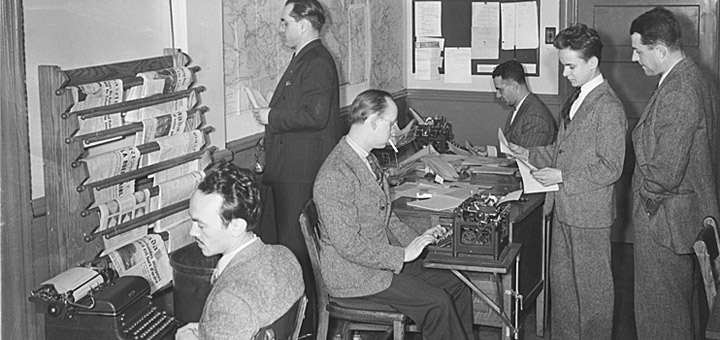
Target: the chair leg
pixel 322 331
pixel 399 330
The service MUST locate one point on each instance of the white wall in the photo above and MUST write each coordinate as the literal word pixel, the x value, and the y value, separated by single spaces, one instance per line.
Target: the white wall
pixel 80 33
pixel 547 83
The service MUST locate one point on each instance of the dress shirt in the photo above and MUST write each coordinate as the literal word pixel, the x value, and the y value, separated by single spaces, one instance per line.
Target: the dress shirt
pixel 517 107
pixel 584 90
pixel 362 153
pixel 664 75
pixel 225 259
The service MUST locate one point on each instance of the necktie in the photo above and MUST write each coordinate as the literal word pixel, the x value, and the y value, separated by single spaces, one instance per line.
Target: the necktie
pixel 565 112
pixel 377 171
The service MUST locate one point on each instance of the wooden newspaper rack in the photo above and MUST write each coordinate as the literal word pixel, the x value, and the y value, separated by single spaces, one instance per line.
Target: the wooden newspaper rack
pixel 71 205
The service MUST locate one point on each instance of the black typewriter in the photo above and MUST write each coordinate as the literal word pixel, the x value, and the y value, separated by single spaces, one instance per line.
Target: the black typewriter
pixel 436 131
pixel 120 309
pixel 480 227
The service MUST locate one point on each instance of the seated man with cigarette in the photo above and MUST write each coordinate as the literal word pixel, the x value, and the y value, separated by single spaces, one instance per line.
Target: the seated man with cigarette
pixel 367 252
pixel 254 283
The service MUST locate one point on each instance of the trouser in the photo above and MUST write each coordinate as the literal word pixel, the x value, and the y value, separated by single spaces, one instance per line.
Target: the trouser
pixel 581 284
pixel 289 200
pixel 438 302
pixel 666 288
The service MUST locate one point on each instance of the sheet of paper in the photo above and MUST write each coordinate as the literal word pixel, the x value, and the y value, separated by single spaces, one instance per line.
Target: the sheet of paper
pixel 519 25
pixel 437 203
pixel 428 18
pixel 530 184
pixel 427 58
pixel 504 148
pixel 457 65
pixel 485 30
pixel 510 197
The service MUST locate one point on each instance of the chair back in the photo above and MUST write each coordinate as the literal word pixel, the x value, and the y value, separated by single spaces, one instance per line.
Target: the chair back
pixel 707 246
pixel 310 226
pixel 287 327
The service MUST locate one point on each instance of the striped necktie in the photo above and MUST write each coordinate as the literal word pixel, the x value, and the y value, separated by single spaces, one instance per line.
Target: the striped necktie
pixel 376 169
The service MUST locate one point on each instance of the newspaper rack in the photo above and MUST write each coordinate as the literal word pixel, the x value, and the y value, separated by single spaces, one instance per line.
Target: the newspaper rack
pixel 72 209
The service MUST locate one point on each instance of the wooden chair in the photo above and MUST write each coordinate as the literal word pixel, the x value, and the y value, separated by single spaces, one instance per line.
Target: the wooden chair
pixel 359 314
pixel 287 327
pixel 706 248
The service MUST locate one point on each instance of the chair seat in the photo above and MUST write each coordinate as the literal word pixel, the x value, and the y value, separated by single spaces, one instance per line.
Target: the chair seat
pixel 365 310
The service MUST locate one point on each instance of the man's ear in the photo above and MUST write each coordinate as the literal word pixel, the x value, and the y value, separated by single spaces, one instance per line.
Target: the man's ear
pixel 661 50
pixel 237 227
pixel 373 120
pixel 594 62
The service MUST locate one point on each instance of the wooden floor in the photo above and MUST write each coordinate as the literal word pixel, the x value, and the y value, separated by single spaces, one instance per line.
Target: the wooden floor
pixel 623 325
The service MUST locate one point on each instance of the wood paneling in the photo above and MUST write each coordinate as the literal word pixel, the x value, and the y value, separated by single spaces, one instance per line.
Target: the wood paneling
pixel 18 317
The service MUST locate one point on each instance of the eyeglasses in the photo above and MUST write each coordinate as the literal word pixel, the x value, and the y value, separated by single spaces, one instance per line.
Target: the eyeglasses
pixel 284 23
pixel 392 122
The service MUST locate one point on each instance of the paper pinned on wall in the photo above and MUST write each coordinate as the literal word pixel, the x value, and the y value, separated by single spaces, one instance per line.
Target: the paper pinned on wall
pixel 457 65
pixel 485 30
pixel 428 18
pixel 519 25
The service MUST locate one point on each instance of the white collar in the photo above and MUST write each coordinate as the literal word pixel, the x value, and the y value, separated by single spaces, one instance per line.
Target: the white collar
pixel 225 259
pixel 303 46
pixel 584 90
pixel 517 107
pixel 664 75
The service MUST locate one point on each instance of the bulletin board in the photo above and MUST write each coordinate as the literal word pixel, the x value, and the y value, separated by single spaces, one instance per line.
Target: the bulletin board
pixel 456 21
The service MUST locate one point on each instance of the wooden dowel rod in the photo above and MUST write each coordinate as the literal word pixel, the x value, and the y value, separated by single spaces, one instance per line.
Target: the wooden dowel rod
pixel 140 221
pixel 154 191
pixel 135 81
pixel 121 130
pixel 153 146
pixel 132 104
pixel 145 171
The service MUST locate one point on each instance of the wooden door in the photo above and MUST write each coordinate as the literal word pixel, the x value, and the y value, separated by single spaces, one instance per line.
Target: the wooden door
pixel 612 19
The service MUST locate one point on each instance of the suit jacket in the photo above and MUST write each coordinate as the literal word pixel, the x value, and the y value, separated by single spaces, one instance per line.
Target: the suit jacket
pixel 673 181
pixel 590 154
pixel 258 286
pixel 304 123
pixel 533 125
pixel 362 241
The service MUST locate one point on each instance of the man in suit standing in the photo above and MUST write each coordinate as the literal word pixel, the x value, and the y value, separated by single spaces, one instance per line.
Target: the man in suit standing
pixel 367 252
pixel 531 123
pixel 254 283
pixel 585 160
pixel 302 125
pixel 674 186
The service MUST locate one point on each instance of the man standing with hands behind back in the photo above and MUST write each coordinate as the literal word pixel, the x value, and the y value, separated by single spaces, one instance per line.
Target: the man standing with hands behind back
pixel 302 125
pixel 585 161
pixel 673 185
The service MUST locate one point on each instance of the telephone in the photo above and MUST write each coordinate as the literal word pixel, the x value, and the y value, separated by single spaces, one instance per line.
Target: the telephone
pixel 118 309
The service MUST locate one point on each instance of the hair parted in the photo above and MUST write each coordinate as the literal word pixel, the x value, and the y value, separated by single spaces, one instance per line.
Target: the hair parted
pixel 368 102
pixel 658 26
pixel 511 69
pixel 311 10
pixel 237 186
pixel 581 38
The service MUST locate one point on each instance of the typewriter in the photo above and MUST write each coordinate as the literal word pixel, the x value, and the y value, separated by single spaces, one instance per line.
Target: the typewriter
pixel 480 227
pixel 436 131
pixel 107 308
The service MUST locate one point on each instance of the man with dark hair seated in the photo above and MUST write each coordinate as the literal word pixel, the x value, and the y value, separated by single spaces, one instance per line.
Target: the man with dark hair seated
pixel 254 283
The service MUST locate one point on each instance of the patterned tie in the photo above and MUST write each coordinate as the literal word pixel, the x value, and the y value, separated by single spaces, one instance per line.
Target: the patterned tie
pixel 376 169
pixel 565 112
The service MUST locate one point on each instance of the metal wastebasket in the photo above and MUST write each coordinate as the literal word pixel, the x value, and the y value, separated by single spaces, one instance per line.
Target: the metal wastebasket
pixel 191 281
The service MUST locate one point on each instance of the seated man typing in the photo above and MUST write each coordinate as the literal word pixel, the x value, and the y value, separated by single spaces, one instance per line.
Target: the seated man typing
pixel 367 252
pixel 254 283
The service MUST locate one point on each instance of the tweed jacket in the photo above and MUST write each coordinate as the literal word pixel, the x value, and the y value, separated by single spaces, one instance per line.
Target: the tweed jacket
pixel 259 285
pixel 362 241
pixel 533 125
pixel 304 123
pixel 674 181
pixel 590 154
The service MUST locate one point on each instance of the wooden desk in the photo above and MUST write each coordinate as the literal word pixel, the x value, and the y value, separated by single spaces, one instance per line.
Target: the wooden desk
pixel 526 279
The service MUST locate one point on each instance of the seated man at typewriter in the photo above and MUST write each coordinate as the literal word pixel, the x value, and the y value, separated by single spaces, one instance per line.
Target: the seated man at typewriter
pixel 254 283
pixel 367 252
